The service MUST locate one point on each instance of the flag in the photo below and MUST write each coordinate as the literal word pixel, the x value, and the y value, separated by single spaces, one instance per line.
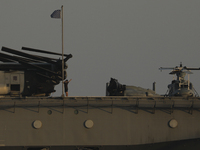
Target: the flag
pixel 56 14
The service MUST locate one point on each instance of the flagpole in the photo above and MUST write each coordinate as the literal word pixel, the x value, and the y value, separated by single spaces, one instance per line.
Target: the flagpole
pixel 62 53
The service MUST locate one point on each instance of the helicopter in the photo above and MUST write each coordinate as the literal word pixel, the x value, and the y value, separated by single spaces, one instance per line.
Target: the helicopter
pixel 180 86
pixel 30 75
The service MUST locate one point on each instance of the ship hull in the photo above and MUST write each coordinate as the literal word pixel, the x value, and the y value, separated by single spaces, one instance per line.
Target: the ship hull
pixel 174 145
pixel 99 123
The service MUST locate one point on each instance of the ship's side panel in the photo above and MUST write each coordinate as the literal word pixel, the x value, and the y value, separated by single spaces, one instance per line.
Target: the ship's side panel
pixel 94 126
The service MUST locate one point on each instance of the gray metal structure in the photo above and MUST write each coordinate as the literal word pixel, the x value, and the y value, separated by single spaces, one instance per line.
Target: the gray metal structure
pixel 113 122
pixel 30 75
pixel 127 118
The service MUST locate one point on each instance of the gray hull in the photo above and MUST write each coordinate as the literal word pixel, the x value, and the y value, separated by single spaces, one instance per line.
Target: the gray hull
pixel 98 122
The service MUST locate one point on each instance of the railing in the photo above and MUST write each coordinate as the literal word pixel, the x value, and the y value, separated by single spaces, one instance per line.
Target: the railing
pixel 111 102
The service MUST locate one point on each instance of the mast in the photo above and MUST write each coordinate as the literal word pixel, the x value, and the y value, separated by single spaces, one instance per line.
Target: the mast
pixel 62 52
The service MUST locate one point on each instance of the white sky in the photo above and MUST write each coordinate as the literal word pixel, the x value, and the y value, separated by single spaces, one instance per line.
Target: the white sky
pixel 124 39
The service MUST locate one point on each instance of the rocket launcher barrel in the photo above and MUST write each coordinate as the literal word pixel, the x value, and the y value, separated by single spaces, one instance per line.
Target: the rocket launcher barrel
pixel 42 51
pixel 21 61
pixel 47 52
pixel 26 55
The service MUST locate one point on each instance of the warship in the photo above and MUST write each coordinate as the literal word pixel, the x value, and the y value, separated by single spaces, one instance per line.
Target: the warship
pixel 127 118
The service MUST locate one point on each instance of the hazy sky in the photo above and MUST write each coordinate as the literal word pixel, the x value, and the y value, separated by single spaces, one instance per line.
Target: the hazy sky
pixel 124 39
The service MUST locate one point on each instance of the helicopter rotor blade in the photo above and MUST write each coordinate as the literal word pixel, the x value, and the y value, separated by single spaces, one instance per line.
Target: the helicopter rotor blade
pixel 192 68
pixel 166 68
